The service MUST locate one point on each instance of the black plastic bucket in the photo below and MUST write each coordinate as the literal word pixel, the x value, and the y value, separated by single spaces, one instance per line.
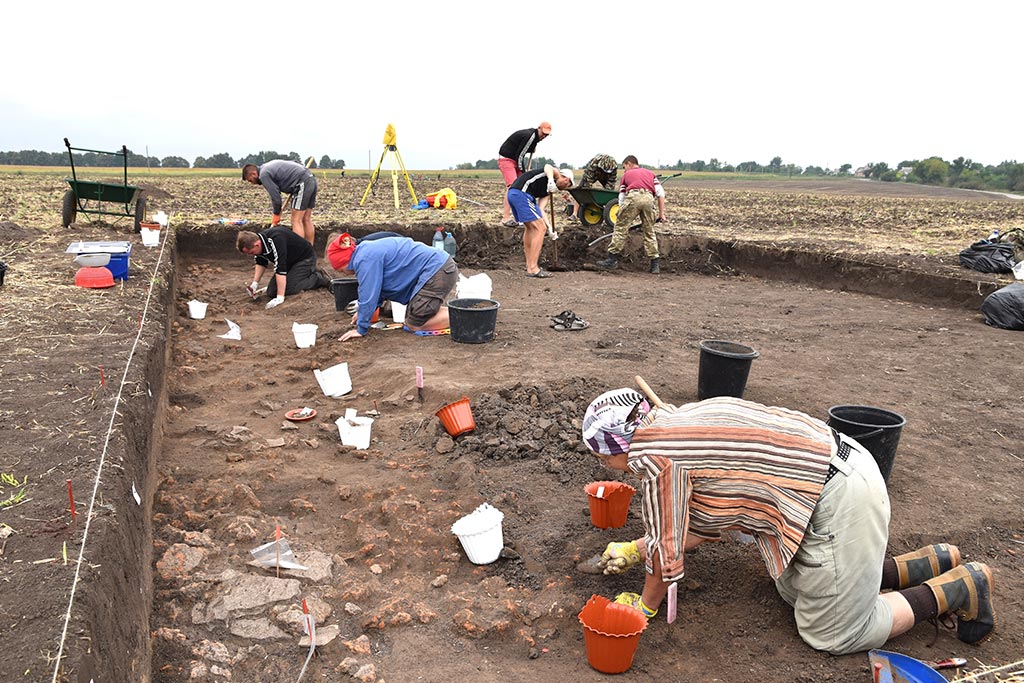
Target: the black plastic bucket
pixel 724 367
pixel 875 429
pixel 346 290
pixel 472 320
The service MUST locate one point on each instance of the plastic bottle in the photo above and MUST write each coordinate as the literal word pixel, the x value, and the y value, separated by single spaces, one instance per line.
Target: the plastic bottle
pixel 449 244
pixel 438 241
pixel 994 236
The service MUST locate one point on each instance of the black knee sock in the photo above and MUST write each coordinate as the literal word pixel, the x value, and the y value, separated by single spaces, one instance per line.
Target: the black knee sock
pixel 890 575
pixel 922 602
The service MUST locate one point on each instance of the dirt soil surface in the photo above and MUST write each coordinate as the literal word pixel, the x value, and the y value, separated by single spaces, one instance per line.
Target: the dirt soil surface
pixel 392 592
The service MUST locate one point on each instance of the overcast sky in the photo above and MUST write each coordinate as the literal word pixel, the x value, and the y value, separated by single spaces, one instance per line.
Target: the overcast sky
pixel 821 82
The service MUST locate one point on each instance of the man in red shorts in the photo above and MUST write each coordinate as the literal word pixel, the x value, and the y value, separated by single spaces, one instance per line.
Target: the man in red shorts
pixel 512 160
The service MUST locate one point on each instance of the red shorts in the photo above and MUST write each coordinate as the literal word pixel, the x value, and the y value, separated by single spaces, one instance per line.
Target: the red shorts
pixel 509 172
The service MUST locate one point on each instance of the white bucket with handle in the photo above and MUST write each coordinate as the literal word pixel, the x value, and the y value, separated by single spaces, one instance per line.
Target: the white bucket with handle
pixel 480 533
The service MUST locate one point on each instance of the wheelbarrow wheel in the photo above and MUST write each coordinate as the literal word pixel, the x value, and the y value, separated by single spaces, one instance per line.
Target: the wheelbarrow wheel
pixel 140 212
pixel 611 212
pixel 590 214
pixel 70 209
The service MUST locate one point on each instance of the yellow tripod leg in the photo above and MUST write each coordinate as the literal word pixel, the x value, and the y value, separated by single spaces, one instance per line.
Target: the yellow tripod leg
pixel 373 177
pixel 406 174
pixel 394 182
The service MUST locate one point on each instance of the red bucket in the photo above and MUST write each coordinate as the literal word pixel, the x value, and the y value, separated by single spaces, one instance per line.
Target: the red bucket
pixel 609 503
pixel 611 633
pixel 457 417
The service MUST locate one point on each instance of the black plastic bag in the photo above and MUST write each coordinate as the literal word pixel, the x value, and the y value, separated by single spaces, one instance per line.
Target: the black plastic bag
pixel 988 257
pixel 1005 307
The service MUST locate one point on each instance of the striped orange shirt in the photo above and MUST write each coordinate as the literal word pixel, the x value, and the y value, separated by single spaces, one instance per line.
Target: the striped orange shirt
pixel 728 463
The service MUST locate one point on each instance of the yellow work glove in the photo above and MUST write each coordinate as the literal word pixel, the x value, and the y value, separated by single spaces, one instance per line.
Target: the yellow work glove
pixel 618 557
pixel 634 600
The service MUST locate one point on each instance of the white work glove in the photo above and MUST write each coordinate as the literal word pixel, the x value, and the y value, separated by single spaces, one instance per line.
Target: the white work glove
pixel 552 186
pixel 551 232
pixel 252 289
pixel 275 302
pixel 622 198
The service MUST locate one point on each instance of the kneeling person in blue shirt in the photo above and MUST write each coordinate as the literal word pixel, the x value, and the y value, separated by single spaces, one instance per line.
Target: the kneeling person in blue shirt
pixel 401 270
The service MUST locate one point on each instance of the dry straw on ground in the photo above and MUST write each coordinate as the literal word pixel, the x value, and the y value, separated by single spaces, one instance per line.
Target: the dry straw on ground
pixel 1007 673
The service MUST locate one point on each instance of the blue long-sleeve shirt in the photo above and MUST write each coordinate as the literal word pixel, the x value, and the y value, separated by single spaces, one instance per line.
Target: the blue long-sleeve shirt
pixel 392 268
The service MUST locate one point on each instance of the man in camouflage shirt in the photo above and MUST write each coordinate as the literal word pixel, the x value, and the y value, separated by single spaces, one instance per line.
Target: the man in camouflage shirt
pixel 601 169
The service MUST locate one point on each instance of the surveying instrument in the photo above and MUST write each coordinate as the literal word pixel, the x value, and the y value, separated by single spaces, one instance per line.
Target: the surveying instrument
pixel 390 151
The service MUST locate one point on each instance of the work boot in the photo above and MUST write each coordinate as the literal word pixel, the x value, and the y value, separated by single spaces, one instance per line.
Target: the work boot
pixel 610 263
pixel 967 592
pixel 925 563
pixel 655 265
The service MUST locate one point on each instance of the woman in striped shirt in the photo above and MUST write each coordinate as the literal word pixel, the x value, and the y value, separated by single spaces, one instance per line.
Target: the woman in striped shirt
pixel 813 500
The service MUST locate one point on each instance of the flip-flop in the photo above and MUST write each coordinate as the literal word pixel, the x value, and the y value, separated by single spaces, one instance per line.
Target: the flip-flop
pixel 510 223
pixel 539 273
pixel 575 325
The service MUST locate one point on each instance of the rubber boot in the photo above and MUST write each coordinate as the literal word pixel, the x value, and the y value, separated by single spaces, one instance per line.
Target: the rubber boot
pixel 655 266
pixel 925 563
pixel 967 592
pixel 610 263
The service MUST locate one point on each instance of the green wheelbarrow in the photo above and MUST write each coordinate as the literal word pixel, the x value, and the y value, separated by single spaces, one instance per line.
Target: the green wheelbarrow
pixel 596 205
pixel 110 199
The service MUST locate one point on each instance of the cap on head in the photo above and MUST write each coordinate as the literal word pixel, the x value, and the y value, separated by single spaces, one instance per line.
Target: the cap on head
pixel 339 251
pixel 567 173
pixel 611 419
pixel 544 127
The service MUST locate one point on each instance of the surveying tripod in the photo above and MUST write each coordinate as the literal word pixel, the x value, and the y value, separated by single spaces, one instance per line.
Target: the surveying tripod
pixel 391 151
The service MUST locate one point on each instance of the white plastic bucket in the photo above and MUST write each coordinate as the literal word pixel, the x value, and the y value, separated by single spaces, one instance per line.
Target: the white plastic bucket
pixel 353 430
pixel 150 238
pixel 335 380
pixel 398 312
pixel 197 309
pixel 305 334
pixel 480 534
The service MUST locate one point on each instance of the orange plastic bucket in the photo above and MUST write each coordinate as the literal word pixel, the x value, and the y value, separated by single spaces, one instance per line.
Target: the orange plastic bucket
pixel 611 633
pixel 457 417
pixel 609 503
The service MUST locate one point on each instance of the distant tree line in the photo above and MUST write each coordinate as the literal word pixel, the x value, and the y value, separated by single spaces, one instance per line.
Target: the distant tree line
pixel 961 172
pixel 538 162
pixel 32 157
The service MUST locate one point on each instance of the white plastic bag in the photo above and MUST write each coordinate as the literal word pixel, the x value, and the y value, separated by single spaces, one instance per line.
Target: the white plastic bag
pixel 476 287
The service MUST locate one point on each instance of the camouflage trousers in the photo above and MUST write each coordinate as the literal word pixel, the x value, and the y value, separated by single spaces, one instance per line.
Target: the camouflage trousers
pixel 638 203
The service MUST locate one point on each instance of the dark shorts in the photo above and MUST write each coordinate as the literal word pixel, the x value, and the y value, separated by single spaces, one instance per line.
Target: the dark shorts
pixel 305 197
pixel 425 303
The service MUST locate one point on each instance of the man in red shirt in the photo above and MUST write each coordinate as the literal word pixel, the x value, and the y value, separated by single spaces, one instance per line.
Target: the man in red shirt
pixel 636 197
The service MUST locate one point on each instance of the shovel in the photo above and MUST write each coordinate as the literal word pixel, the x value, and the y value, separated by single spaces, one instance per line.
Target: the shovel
pixel 554 242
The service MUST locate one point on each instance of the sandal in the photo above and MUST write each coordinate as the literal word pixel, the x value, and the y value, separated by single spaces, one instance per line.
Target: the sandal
pixel 540 273
pixel 576 324
pixel 564 318
pixel 510 223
